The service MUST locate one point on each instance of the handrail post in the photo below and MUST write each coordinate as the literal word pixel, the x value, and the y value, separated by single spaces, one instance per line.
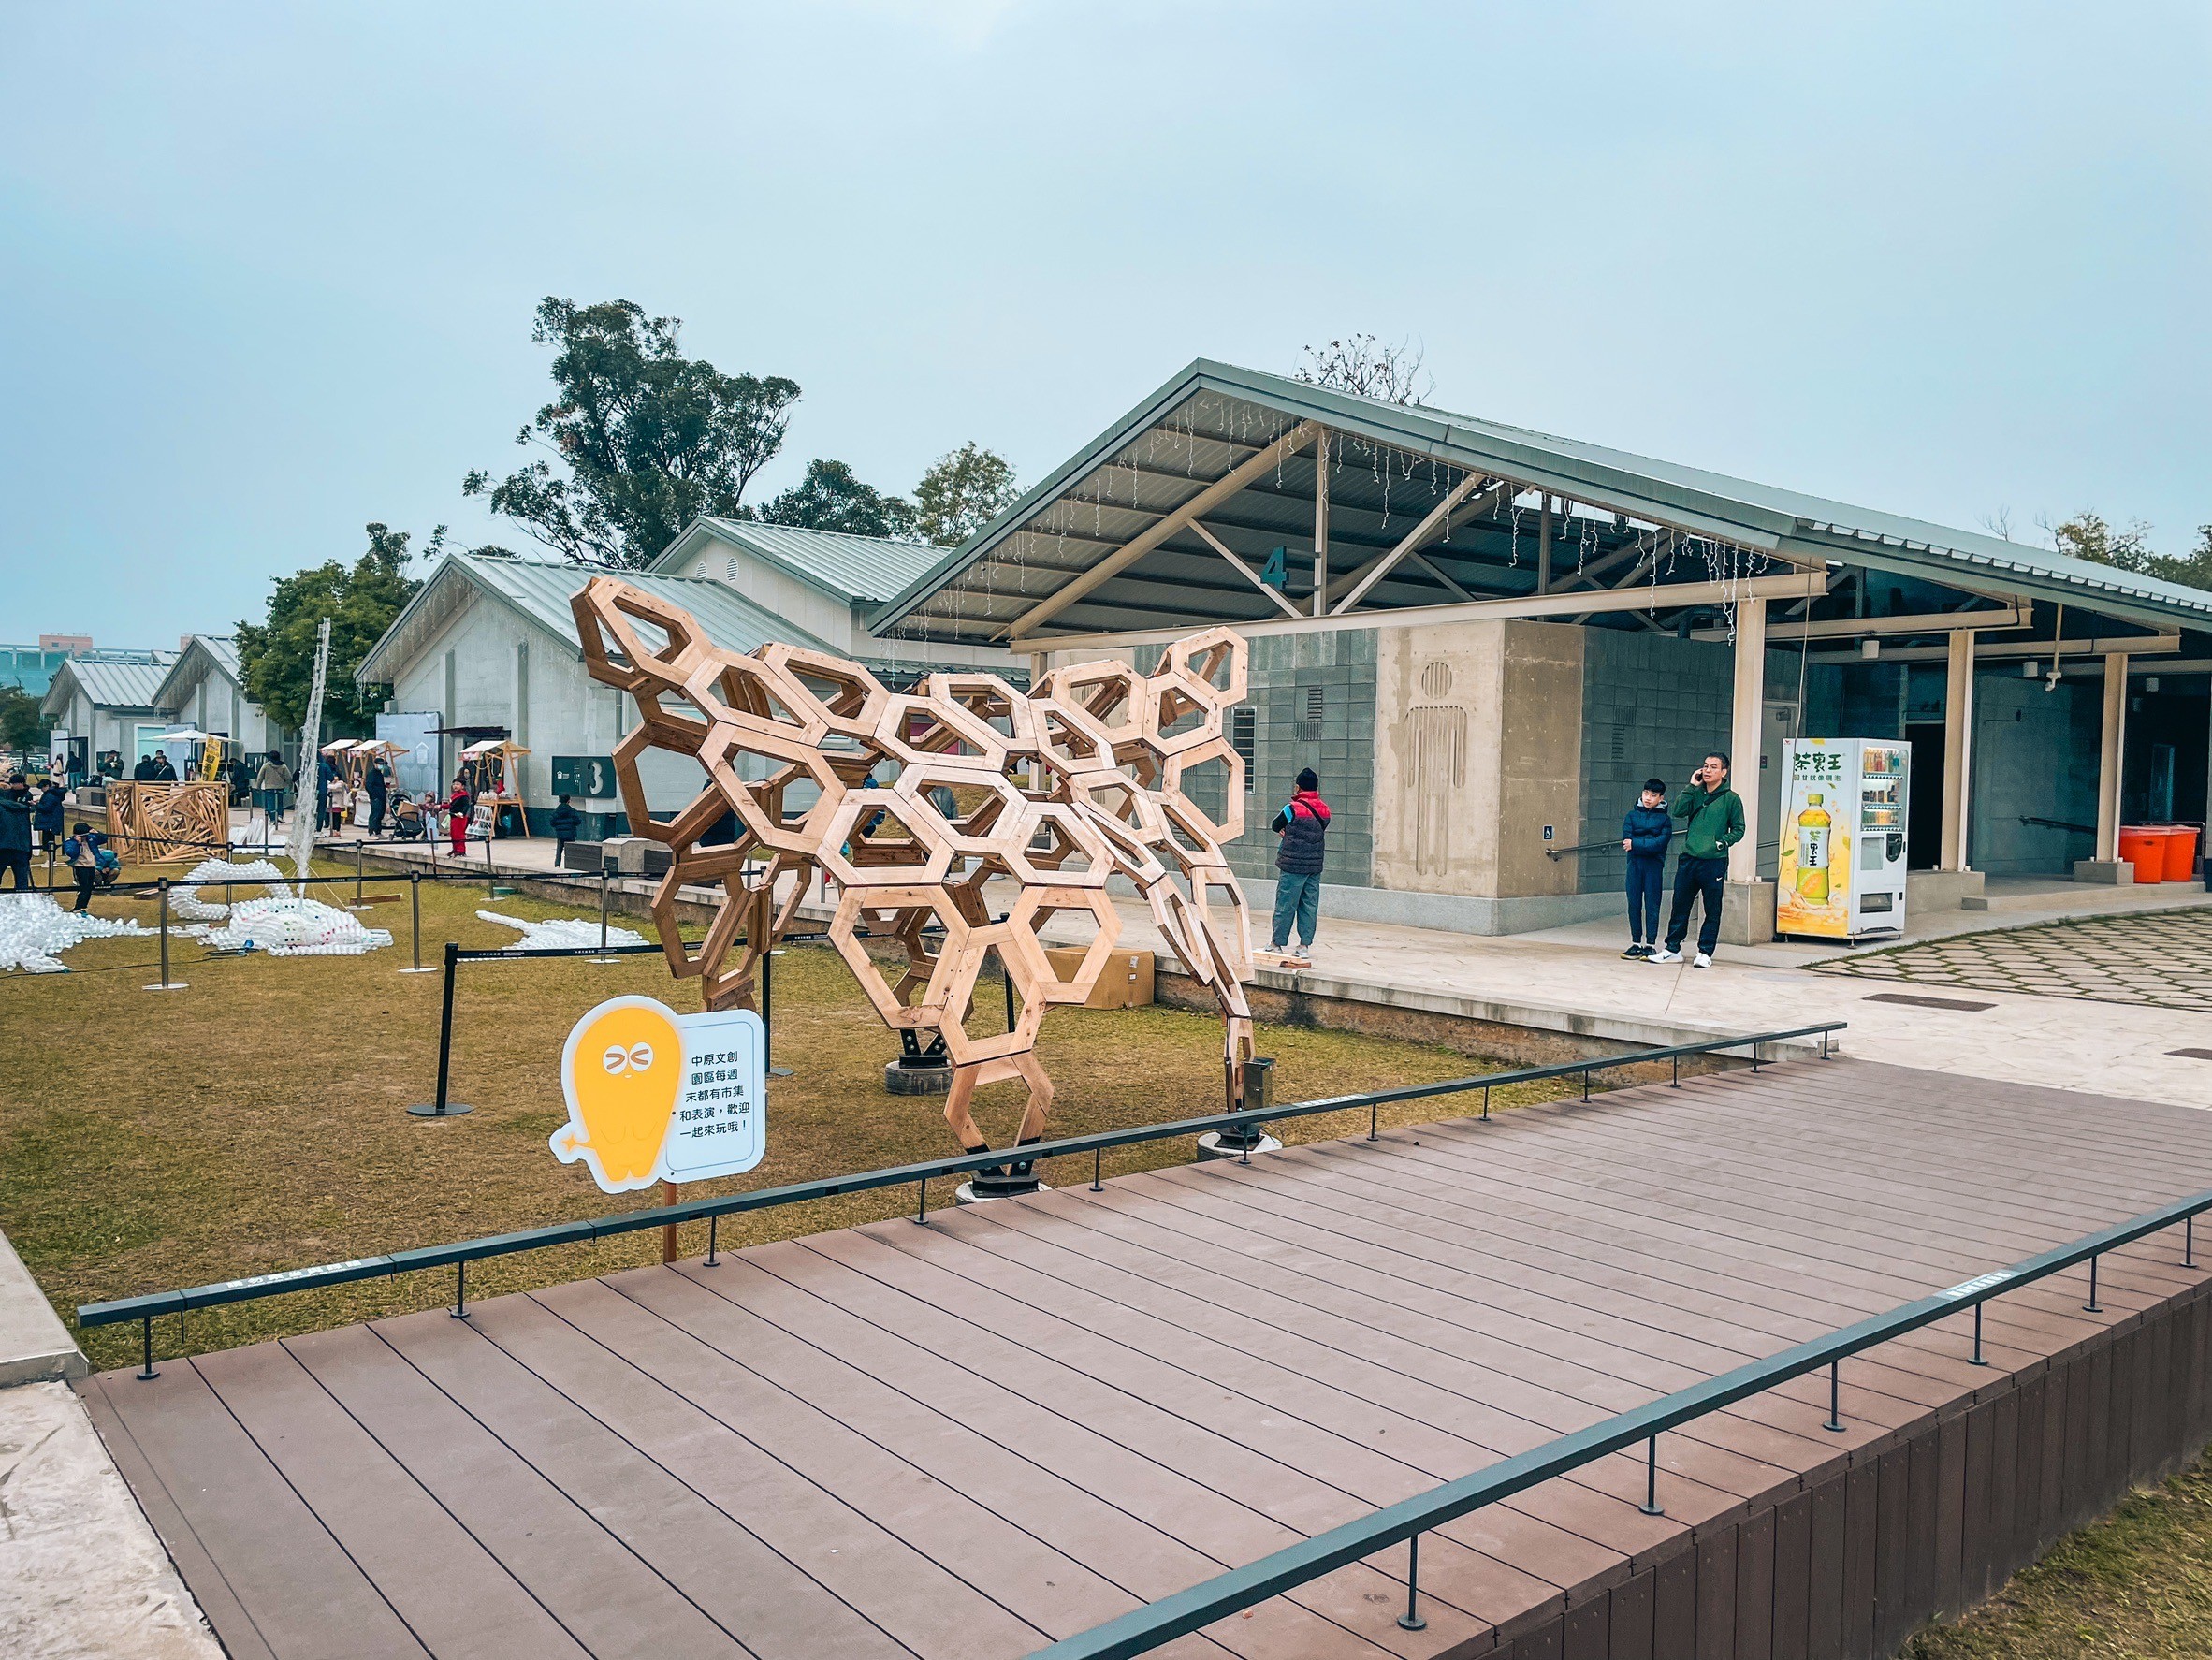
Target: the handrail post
pixel 460 1290
pixel 2092 1306
pixel 146 1371
pixel 1976 1360
pixel 1411 1619
pixel 1835 1422
pixel 441 1107
pixel 2188 1241
pixel 1652 1506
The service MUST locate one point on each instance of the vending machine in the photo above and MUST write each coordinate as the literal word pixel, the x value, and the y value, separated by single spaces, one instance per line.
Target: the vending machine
pixel 1841 874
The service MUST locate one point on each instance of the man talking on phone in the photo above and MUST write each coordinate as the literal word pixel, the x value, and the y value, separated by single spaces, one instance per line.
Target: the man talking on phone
pixel 1713 824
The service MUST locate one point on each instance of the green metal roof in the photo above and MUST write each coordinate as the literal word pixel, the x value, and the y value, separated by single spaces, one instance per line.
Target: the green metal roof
pixel 860 570
pixel 539 591
pixel 1199 425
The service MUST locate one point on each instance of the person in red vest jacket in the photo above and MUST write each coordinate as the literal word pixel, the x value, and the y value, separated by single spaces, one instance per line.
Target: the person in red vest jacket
pixel 1302 824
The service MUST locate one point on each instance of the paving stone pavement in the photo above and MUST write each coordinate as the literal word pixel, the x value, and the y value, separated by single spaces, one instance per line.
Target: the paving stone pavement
pixel 2161 960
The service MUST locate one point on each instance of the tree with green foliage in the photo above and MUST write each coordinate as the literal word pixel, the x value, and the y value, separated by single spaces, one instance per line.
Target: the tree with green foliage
pixel 833 498
pixel 277 655
pixel 962 493
pixel 647 437
pixel 21 726
pixel 2086 535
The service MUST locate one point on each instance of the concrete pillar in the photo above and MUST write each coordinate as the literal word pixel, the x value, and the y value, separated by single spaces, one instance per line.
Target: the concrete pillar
pixel 2106 867
pixel 1749 916
pixel 2111 749
pixel 1744 732
pixel 1959 728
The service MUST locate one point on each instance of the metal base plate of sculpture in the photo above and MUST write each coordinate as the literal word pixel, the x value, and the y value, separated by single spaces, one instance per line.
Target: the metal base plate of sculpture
pixel 907 804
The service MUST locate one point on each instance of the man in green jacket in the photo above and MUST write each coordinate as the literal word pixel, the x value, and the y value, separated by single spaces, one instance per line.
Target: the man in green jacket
pixel 1712 819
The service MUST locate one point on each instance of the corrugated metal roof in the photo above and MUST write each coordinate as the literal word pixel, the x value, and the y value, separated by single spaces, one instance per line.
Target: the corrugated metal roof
pixel 221 650
pixel 862 570
pixel 541 590
pixel 1197 427
pixel 119 685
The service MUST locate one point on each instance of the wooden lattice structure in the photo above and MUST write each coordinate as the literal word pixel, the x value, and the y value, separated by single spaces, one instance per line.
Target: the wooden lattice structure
pixel 909 803
pixel 155 822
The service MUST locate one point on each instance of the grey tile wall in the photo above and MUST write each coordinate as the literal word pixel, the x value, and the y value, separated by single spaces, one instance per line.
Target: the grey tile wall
pixel 1286 669
pixel 1651 707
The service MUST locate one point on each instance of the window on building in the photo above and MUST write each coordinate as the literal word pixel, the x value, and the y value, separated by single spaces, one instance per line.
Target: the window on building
pixel 1244 725
pixel 730 570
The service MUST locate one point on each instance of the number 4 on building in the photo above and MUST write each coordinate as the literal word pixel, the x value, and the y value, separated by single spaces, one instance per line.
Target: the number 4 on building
pixel 1276 572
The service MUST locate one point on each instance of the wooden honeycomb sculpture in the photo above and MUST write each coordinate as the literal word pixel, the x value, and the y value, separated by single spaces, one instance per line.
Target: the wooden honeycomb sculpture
pixel 909 802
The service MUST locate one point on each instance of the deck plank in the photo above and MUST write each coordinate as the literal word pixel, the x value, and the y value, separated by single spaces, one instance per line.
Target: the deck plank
pixel 968 1438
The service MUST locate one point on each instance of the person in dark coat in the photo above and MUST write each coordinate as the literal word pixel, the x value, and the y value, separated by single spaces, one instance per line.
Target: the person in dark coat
pixel 15 830
pixel 46 818
pixel 143 772
pixel 1644 834
pixel 163 772
pixel 379 785
pixel 566 823
pixel 1302 824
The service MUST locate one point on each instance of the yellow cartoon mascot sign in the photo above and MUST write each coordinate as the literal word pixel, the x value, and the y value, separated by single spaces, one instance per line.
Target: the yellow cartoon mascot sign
pixel 656 1095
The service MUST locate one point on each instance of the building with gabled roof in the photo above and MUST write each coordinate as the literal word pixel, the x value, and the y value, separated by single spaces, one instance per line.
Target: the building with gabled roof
pixel 487 646
pixel 1483 638
pixel 108 705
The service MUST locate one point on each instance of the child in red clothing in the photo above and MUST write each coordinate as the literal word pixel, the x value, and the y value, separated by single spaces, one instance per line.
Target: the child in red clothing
pixel 457 817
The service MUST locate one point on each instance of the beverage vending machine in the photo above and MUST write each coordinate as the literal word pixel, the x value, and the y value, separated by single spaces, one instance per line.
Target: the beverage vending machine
pixel 1842 868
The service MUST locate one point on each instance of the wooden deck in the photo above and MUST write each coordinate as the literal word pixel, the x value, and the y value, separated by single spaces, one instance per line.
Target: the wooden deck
pixel 969 1438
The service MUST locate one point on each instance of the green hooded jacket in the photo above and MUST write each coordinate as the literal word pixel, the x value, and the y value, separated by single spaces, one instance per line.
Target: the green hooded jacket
pixel 1713 821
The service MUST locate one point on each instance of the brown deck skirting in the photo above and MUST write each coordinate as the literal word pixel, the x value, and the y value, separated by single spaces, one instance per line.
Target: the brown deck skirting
pixel 974 1438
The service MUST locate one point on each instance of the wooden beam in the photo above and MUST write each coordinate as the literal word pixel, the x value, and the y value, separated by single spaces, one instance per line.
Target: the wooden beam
pixel 2075 655
pixel 1670 596
pixel 1243 569
pixel 1146 540
pixel 1381 566
pixel 1925 623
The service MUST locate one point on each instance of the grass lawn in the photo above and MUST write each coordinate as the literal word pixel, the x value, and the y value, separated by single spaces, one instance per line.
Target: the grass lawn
pixel 257 1120
pixel 2135 1586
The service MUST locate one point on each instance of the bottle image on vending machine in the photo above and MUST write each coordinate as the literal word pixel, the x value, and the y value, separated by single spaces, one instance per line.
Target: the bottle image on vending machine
pixel 1812 851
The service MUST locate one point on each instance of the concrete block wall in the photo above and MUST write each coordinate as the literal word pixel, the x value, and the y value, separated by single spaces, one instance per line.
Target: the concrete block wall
pixel 1651 707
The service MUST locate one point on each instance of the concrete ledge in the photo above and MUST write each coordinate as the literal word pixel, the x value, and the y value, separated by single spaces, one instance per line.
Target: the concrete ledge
pixel 1944 890
pixel 1454 913
pixel 1496 1028
pixel 2110 872
pixel 34 1345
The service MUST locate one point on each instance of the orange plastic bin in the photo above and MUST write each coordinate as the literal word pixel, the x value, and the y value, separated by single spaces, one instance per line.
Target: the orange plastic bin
pixel 2181 853
pixel 2144 846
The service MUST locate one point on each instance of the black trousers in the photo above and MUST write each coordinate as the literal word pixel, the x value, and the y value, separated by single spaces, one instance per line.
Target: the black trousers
pixel 87 876
pixel 18 862
pixel 1694 879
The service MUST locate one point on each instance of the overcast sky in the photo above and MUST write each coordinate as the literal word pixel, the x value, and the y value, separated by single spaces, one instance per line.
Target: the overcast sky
pixel 266 273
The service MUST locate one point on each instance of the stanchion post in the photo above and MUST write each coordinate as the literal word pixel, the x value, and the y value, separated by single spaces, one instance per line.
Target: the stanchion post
pixel 414 918
pixel 667 1229
pixel 162 887
pixel 441 1107
pixel 357 905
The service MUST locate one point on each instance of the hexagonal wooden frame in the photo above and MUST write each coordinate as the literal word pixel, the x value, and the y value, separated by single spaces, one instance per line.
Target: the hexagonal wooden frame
pixel 1085 764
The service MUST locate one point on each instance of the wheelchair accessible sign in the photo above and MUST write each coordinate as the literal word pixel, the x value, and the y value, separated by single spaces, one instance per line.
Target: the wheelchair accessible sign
pixel 654 1096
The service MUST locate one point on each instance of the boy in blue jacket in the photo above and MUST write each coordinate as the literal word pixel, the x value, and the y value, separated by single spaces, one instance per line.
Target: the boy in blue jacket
pixel 1644 834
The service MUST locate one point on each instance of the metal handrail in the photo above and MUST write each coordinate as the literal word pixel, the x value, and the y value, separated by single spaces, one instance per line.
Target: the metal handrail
pixel 1144 1629
pixel 146 1307
pixel 2060 824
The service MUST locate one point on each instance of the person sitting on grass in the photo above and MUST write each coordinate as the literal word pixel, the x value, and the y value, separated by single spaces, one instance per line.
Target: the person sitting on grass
pixel 1302 824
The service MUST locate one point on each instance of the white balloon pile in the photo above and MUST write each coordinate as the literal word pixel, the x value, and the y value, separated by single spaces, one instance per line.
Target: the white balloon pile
pixel 562 932
pixel 33 930
pixel 184 898
pixel 289 927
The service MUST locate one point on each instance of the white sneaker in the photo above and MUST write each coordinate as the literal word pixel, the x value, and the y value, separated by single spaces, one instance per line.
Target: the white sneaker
pixel 1664 955
pixel 1703 961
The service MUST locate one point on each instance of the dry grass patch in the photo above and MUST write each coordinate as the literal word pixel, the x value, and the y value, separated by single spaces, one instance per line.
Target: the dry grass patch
pixel 256 1121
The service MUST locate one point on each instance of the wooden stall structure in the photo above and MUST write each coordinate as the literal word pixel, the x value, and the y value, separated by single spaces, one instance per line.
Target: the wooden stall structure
pixel 157 822
pixel 493 768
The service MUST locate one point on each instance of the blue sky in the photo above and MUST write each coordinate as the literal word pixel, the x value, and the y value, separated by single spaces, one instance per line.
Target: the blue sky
pixel 266 273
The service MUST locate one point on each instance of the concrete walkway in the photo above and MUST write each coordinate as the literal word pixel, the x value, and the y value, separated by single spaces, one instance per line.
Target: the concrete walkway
pixel 81 1572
